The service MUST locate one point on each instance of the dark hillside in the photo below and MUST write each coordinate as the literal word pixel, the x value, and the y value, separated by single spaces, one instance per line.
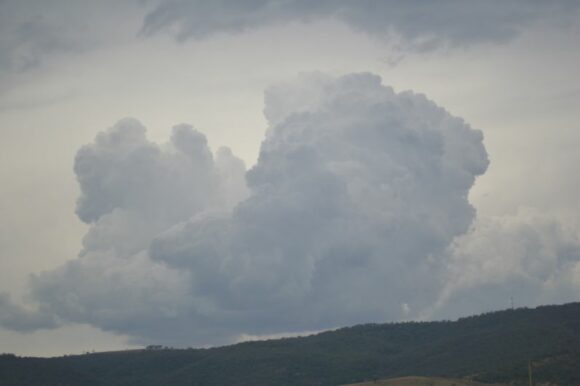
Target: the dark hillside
pixel 493 347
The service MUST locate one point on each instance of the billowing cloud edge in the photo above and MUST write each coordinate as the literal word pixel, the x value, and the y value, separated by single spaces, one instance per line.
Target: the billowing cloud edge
pixel 356 211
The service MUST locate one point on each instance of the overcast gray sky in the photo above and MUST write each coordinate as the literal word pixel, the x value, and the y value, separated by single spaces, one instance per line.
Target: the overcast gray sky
pixel 152 232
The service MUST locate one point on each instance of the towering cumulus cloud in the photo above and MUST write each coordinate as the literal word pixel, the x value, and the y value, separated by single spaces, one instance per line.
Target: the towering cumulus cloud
pixel 346 217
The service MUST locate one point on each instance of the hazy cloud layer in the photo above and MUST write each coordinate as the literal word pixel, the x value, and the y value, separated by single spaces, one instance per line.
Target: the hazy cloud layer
pixel 33 32
pixel 415 24
pixel 30 31
pixel 15 317
pixel 528 258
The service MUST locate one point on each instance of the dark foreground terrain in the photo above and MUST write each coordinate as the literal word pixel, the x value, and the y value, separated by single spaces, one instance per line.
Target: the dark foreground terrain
pixel 423 381
pixel 490 348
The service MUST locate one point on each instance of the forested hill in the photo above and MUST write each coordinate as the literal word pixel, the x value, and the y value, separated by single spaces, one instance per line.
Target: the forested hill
pixel 493 347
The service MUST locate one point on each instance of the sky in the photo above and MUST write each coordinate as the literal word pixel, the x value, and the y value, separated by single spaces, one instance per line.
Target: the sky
pixel 196 173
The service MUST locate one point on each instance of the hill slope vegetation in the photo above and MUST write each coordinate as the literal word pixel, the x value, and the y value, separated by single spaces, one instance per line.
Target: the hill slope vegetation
pixel 491 348
pixel 421 381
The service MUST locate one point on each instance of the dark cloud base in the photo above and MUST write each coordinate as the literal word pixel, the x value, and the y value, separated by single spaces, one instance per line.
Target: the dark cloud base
pixel 415 25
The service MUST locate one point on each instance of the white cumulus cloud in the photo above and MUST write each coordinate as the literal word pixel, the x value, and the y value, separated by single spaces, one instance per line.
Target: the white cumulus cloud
pixel 356 211
pixel 356 195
